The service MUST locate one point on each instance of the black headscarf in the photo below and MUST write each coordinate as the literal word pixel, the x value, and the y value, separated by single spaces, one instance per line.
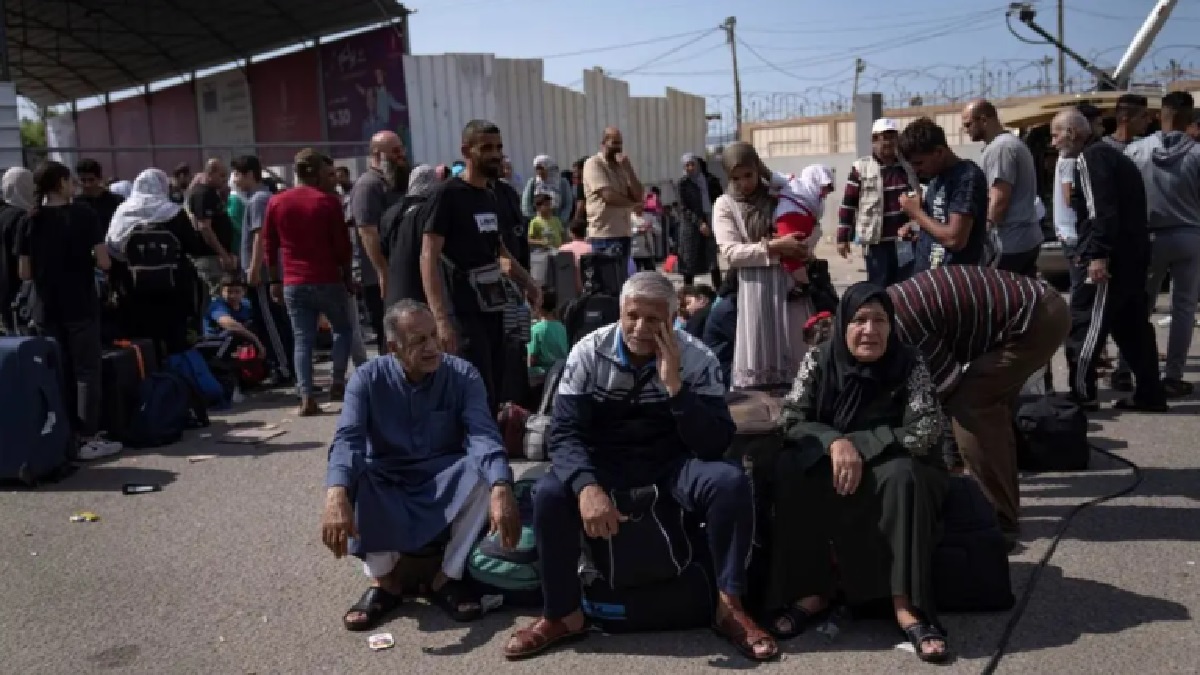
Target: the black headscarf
pixel 846 383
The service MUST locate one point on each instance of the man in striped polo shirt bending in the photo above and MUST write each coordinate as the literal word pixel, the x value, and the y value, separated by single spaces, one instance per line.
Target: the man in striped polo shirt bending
pixel 983 332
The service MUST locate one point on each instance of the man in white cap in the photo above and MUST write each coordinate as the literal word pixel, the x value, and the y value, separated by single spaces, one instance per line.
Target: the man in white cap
pixel 871 211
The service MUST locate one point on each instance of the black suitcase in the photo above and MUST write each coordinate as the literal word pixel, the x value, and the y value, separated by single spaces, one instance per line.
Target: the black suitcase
pixel 1052 435
pixel 970 563
pixel 120 382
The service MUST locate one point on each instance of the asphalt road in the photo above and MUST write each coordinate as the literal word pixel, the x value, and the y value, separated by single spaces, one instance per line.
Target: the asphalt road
pixel 223 572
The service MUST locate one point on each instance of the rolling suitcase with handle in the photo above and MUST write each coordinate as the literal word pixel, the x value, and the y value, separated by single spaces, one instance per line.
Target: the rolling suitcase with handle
pixel 35 427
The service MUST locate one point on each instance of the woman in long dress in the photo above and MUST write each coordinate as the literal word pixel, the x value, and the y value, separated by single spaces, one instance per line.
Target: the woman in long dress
pixel 858 473
pixel 698 189
pixel 769 342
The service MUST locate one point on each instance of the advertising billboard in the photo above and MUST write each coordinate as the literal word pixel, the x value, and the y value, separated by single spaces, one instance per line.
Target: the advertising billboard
pixel 226 116
pixel 364 89
pixel 173 119
pixel 130 129
pixel 286 103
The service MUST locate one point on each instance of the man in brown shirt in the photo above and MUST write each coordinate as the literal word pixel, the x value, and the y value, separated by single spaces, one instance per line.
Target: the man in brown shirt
pixel 611 188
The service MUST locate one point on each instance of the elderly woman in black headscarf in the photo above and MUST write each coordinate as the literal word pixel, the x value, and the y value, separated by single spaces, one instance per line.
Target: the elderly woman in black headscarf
pixel 698 189
pixel 857 471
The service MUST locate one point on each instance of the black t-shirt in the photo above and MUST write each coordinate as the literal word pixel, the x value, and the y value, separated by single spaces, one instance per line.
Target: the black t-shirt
pixel 470 219
pixel 12 219
pixel 60 241
pixel 104 204
pixel 205 204
pixel 400 231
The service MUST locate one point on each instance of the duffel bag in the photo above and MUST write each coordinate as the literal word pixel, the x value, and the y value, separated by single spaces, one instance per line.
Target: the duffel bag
pixel 1051 435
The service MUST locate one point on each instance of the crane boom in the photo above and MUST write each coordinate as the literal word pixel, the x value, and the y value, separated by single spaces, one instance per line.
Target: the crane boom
pixel 1142 40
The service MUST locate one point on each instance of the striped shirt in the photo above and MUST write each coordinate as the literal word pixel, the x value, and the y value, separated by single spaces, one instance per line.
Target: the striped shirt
pixel 894 180
pixel 957 313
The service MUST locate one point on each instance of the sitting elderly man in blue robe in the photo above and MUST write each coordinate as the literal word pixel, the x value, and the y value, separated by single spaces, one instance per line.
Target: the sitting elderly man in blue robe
pixel 416 452
pixel 640 404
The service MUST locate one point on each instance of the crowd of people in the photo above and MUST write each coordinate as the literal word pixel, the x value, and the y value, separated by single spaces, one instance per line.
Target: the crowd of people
pixel 949 326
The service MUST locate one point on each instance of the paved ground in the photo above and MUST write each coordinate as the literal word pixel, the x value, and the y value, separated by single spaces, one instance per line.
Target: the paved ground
pixel 223 572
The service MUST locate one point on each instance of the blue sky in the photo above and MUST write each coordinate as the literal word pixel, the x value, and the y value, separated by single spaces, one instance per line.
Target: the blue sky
pixel 809 46
pixel 795 56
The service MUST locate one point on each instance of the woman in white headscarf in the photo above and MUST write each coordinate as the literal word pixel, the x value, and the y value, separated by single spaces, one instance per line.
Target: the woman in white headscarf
pixel 17 187
pixel 548 179
pixel 154 306
pixel 149 202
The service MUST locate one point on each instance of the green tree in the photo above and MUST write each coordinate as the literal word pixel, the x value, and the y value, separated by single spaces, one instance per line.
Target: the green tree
pixel 33 130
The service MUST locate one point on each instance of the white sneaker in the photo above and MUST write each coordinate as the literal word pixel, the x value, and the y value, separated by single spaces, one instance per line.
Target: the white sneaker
pixel 238 396
pixel 98 447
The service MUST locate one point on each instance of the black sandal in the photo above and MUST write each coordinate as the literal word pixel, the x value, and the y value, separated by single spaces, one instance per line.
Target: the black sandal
pixel 922 632
pixel 452 596
pixel 800 618
pixel 376 604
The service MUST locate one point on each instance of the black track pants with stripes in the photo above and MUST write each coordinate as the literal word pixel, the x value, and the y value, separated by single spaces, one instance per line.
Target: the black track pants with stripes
pixel 1116 307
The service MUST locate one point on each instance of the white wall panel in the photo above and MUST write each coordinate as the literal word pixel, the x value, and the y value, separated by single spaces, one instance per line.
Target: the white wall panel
pixel 536 117
pixel 520 112
pixel 446 91
pixel 565 134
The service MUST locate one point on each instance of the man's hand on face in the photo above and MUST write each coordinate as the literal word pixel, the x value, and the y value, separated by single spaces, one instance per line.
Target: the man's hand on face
pixel 669 363
pixel 337 522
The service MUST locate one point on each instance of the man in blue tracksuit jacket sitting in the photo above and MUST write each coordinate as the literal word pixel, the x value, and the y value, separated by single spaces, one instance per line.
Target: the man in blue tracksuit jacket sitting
pixel 640 404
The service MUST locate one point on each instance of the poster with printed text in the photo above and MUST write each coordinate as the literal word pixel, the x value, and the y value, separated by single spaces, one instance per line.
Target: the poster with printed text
pixel 223 105
pixel 364 89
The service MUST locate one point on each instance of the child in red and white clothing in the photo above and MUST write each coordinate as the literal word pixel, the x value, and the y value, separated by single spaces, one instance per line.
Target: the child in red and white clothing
pixel 801 203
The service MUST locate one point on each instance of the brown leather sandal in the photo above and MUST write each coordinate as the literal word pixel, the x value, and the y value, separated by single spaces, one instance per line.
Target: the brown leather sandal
pixel 539 636
pixel 741 632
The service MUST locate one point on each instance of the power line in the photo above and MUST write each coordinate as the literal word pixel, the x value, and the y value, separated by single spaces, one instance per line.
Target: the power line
pixel 776 68
pixel 810 29
pixel 657 57
pixel 623 45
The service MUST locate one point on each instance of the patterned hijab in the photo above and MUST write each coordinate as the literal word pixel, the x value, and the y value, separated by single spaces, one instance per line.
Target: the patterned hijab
pixel 756 208
pixel 422 180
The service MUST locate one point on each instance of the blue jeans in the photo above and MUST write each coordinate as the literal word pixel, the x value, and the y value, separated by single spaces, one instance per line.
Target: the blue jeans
pixel 883 266
pixel 305 304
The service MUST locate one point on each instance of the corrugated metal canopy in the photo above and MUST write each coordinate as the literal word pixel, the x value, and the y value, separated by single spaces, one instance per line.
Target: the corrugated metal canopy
pixel 64 50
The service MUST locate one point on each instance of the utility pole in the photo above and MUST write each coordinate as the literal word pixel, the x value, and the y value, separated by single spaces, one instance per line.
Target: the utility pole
pixel 1062 57
pixel 729 25
pixel 859 67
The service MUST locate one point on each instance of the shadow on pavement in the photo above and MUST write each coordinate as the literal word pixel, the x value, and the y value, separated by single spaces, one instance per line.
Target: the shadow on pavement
pixel 96 477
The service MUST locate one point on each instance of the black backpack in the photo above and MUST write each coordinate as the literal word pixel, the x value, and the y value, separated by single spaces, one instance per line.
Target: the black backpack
pixel 1051 435
pixel 650 548
pixel 589 312
pixel 153 255
pixel 603 273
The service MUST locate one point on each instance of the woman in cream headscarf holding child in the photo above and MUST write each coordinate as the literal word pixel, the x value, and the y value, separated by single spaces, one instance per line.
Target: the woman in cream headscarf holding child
pixel 769 341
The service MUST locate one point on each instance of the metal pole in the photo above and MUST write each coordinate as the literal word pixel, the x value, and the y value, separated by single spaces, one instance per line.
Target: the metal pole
pixel 729 25
pixel 1062 56
pixel 322 110
pixel 147 99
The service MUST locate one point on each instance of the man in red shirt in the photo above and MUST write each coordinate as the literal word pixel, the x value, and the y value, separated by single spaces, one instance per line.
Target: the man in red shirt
pixel 306 246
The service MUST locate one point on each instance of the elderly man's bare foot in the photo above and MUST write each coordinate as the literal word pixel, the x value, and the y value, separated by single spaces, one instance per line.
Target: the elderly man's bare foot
pixel 543 634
